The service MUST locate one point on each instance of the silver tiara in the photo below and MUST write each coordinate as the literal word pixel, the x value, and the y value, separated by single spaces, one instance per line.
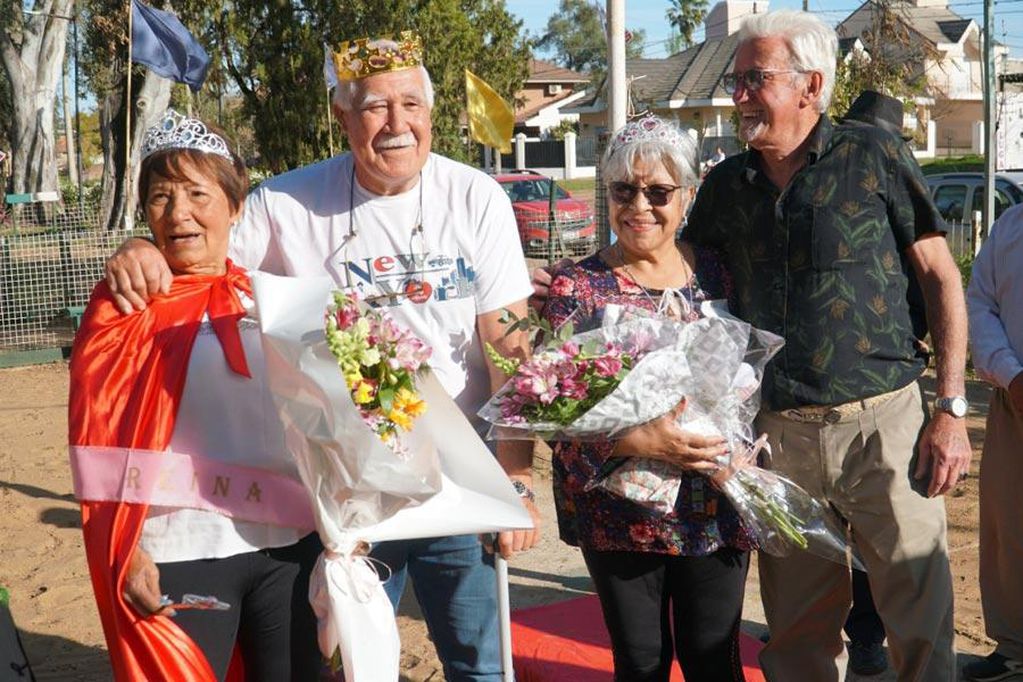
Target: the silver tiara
pixel 646 129
pixel 175 131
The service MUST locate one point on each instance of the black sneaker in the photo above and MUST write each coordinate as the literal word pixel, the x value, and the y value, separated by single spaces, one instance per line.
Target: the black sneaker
pixel 867 659
pixel 994 667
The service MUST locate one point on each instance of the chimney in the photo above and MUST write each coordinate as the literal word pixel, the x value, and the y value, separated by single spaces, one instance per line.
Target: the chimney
pixel 725 17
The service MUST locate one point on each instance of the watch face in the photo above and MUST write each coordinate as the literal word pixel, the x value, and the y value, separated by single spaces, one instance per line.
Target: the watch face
pixel 955 406
pixel 959 406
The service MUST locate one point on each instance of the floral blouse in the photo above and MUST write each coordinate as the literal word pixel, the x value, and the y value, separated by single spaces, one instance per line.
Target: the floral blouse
pixel 703 521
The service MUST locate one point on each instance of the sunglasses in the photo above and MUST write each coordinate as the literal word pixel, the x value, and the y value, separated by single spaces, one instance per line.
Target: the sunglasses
pixel 752 79
pixel 657 195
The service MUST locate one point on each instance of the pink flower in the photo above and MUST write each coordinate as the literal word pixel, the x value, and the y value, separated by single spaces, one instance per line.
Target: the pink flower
pixel 346 315
pixel 562 286
pixel 639 342
pixel 607 366
pixel 570 349
pixel 409 353
pixel 577 390
pixel 538 381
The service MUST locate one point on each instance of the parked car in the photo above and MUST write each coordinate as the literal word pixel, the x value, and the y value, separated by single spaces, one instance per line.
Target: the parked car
pixel 530 196
pixel 958 195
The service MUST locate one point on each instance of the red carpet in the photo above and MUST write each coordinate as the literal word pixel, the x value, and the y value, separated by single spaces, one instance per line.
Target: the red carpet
pixel 567 642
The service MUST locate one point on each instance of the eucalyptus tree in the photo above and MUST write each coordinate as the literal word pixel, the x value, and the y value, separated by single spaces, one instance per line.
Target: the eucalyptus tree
pixel 33 36
pixel 104 64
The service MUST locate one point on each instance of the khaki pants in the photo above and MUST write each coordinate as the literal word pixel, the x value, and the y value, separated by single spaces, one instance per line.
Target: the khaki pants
pixel 862 465
pixel 1001 526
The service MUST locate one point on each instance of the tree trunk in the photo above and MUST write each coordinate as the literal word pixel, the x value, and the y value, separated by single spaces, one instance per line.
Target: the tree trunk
pixel 69 135
pixel 32 51
pixel 117 208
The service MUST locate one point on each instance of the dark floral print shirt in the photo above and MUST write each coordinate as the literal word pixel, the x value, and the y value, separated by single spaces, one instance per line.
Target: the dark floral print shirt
pixel 703 521
pixel 819 263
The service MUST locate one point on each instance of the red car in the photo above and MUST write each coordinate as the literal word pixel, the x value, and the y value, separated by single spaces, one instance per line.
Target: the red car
pixel 530 196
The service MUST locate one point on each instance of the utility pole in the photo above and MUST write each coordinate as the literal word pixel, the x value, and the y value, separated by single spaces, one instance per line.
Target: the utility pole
pixel 990 151
pixel 616 86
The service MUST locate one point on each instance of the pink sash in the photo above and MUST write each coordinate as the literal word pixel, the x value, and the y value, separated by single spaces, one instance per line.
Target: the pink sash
pixel 173 479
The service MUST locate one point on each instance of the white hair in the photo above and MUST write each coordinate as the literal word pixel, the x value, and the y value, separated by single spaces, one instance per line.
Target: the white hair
pixel 813 45
pixel 678 157
pixel 346 91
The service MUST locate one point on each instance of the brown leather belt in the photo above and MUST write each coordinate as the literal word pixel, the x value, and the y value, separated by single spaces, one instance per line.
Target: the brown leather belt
pixel 832 414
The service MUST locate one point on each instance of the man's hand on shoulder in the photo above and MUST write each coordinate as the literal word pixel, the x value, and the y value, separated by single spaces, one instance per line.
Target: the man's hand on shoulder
pixel 944 453
pixel 136 272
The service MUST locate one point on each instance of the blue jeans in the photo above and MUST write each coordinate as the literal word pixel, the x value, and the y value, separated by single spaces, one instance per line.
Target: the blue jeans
pixel 456 587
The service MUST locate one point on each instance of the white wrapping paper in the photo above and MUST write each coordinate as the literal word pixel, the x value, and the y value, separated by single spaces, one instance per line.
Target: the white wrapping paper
pixel 448 484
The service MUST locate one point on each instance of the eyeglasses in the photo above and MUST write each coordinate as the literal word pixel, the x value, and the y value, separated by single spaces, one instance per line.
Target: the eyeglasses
pixel 752 79
pixel 657 195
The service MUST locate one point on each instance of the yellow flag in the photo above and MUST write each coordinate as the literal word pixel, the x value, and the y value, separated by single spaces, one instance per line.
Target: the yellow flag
pixel 491 120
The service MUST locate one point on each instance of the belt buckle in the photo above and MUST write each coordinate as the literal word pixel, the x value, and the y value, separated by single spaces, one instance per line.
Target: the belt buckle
pixel 832 416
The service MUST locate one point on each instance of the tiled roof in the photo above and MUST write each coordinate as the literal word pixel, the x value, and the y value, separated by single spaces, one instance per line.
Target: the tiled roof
pixel 693 74
pixel 934 23
pixel 525 114
pixel 546 72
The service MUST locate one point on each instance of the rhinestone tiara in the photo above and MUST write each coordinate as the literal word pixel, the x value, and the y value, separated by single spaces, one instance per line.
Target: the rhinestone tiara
pixel 355 59
pixel 175 131
pixel 647 128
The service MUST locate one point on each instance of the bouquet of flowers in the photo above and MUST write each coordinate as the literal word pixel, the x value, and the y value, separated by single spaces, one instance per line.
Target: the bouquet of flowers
pixel 351 388
pixel 560 394
pixel 378 360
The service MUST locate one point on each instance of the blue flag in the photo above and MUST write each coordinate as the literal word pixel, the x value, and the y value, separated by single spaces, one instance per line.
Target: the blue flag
pixel 161 42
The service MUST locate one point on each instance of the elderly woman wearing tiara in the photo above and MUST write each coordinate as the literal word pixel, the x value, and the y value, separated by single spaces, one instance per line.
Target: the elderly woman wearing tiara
pixel 670 585
pixel 178 457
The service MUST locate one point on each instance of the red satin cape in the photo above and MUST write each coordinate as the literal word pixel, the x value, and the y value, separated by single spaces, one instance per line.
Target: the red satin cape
pixel 127 378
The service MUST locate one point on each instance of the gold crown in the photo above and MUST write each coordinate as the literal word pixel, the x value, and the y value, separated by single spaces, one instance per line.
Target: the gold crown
pixel 355 59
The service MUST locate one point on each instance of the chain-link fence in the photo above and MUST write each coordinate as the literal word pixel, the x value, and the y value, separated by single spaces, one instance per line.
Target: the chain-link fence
pixel 47 272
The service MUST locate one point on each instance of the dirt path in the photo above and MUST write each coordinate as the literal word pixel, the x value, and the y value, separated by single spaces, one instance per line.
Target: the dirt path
pixel 44 566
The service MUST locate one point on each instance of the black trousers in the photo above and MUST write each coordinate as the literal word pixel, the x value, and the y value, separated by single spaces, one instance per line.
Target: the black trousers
pixel 863 625
pixel 642 595
pixel 270 616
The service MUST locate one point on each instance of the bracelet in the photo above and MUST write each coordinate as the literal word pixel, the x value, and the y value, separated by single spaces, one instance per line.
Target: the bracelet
pixel 523 490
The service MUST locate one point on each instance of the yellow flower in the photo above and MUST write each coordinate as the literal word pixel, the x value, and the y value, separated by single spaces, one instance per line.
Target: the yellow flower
pixel 364 392
pixel 400 419
pixel 407 401
pixel 352 376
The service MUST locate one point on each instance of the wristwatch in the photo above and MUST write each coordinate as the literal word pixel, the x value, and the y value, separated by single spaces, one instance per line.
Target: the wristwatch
pixel 955 405
pixel 523 490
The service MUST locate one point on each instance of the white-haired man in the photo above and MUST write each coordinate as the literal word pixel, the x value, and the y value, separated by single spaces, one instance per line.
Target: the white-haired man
pixel 436 242
pixel 812 220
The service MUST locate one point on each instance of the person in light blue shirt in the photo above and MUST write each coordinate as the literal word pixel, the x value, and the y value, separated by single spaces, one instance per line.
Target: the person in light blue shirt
pixel 995 302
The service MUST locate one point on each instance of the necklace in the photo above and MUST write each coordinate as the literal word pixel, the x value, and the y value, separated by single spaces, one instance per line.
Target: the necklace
pixel 416 288
pixel 663 304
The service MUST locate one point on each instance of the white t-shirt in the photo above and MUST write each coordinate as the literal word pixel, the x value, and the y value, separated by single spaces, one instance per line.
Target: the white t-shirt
pixel 229 418
pixel 467 253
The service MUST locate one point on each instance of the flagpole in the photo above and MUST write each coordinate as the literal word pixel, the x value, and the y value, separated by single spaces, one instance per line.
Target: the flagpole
pixel 128 220
pixel 330 123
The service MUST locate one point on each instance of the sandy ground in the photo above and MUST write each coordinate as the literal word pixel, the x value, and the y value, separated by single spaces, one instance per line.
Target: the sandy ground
pixel 44 566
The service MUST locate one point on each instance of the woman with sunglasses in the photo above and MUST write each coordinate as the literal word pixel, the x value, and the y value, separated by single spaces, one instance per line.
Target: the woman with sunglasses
pixel 670 585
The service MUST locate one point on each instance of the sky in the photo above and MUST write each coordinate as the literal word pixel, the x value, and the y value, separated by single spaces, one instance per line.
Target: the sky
pixel 649 15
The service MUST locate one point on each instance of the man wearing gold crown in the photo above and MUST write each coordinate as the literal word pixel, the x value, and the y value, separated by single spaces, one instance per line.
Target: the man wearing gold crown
pixel 435 242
